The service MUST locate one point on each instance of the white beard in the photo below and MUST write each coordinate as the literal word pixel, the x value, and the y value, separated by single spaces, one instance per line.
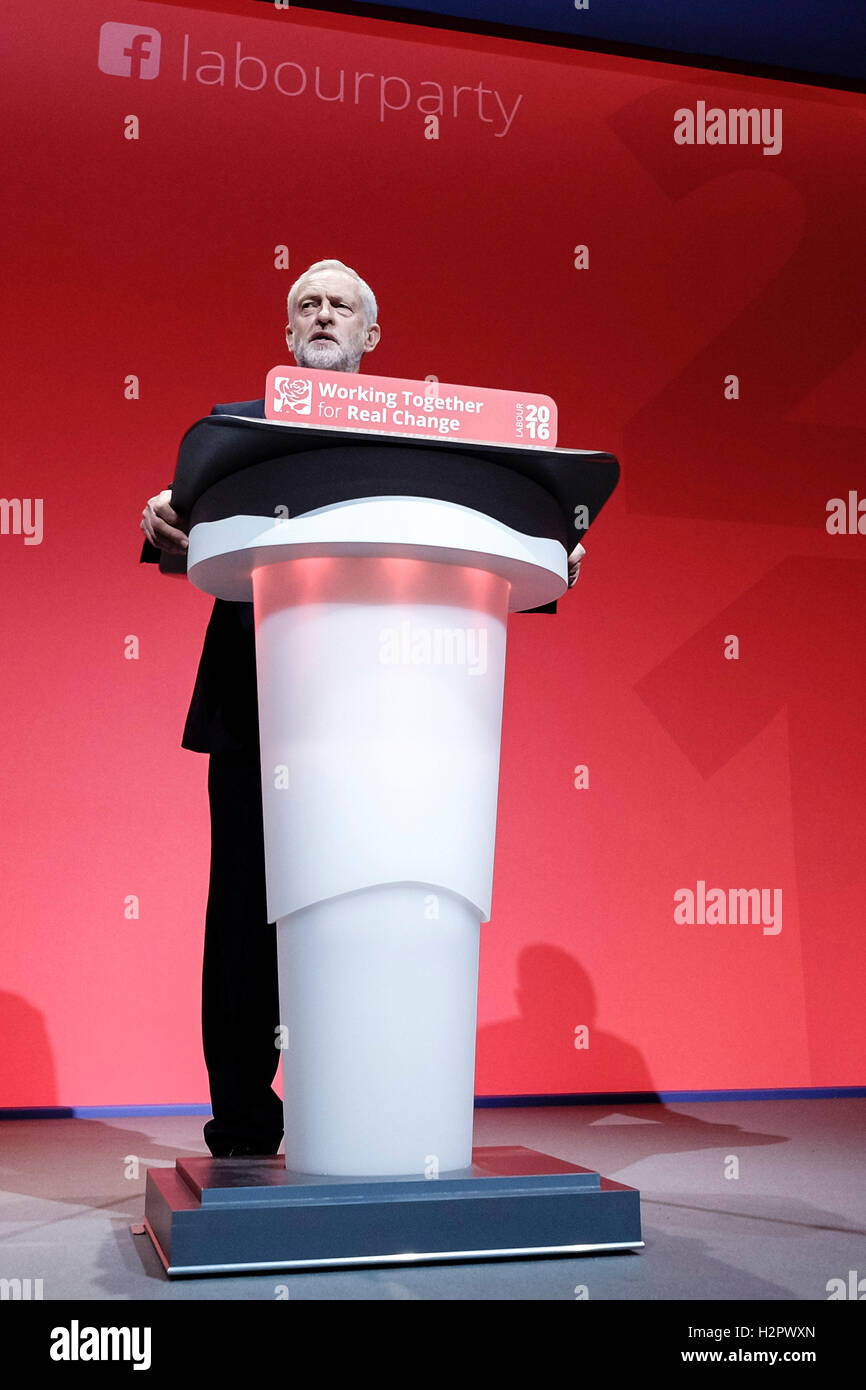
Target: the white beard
pixel 327 356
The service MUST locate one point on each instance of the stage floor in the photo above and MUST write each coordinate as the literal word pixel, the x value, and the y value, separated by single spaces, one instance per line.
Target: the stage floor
pixel 740 1200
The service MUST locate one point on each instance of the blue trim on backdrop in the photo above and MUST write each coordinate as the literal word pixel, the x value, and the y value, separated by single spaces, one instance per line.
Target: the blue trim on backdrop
pixel 827 42
pixel 672 1097
pixel 827 38
pixel 103 1112
pixel 96 1112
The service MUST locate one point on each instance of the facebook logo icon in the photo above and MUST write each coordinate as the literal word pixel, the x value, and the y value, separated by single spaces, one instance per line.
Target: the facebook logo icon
pixel 129 50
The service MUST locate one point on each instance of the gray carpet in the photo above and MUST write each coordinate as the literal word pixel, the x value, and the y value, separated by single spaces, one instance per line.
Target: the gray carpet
pixel 793 1218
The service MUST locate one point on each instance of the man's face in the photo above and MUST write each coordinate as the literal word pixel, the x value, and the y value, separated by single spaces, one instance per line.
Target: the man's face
pixel 326 326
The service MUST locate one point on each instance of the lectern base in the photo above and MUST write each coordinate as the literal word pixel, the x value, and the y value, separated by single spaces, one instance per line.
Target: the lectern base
pixel 236 1215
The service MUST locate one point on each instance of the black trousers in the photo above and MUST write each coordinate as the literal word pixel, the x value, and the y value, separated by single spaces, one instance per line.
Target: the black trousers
pixel 240 995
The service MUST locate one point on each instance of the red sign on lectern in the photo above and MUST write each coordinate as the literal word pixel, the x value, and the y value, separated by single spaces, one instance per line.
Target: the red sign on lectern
pixel 397 405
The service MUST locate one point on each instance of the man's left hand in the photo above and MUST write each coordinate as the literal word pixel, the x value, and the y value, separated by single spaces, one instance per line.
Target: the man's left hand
pixel 574 560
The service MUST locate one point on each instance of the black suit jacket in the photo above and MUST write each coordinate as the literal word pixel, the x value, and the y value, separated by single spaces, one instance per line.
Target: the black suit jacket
pixel 223 715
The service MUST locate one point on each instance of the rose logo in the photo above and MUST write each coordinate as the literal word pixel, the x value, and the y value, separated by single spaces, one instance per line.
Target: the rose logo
pixel 293 393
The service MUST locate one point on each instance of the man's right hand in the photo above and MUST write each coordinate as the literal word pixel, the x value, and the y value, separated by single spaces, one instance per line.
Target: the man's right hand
pixel 162 525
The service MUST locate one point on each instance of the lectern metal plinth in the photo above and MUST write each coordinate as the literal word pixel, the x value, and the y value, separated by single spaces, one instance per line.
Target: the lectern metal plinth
pixel 231 1216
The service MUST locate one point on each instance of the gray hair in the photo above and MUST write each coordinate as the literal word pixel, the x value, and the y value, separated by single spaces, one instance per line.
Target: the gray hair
pixel 368 299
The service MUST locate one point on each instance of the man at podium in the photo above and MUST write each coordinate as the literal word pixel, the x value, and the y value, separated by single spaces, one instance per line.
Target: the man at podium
pixel 332 325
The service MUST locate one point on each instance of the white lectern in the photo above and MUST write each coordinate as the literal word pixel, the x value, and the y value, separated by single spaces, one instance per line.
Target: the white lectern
pixel 380 648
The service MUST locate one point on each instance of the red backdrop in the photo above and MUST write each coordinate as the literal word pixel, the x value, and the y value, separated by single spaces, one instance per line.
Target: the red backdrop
pixel 155 258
